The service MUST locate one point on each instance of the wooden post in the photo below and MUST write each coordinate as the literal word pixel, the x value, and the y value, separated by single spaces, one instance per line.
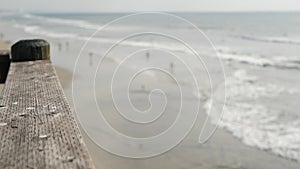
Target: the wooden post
pixel 30 50
pixel 4 65
pixel 38 127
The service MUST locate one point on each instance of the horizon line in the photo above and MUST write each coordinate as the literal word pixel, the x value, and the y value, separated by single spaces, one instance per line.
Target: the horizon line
pixel 170 11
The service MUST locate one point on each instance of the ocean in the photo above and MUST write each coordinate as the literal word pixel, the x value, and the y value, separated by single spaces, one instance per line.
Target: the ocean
pixel 259 54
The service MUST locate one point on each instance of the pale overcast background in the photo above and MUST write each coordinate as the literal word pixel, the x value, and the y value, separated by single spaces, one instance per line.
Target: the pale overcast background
pixel 149 5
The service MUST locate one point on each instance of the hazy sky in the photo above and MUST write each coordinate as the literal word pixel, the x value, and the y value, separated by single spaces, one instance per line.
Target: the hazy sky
pixel 150 5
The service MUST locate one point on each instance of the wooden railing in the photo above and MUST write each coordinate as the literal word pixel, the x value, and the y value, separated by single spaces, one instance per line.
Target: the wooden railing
pixel 37 126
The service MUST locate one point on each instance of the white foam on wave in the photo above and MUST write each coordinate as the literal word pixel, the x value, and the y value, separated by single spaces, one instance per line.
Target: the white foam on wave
pixel 70 22
pixel 256 124
pixel 36 30
pixel 287 62
pixel 283 40
pixel 76 23
pixel 292 61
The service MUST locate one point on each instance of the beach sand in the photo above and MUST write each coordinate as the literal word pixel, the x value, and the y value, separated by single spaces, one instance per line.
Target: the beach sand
pixel 4 45
pixel 221 151
pixel 65 76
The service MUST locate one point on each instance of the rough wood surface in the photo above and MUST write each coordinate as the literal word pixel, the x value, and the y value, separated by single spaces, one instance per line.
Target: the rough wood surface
pixel 37 127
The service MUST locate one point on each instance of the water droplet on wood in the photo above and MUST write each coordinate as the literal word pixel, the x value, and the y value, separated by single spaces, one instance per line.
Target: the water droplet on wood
pixel 57 114
pixel 3 124
pixel 52 111
pixel 23 114
pixel 40 149
pixel 70 158
pixel 43 136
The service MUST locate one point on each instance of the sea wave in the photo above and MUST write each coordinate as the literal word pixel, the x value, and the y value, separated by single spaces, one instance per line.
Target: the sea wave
pixel 70 22
pixel 282 62
pixel 254 123
pixel 283 40
pixel 37 30
pixel 76 23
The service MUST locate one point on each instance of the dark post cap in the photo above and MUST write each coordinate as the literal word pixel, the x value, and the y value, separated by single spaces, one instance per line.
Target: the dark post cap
pixel 30 50
pixel 4 65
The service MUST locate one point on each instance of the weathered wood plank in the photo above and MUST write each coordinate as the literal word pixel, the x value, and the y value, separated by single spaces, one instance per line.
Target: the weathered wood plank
pixel 37 126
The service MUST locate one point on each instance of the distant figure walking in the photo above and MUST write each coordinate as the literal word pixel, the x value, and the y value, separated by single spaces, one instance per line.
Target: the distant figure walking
pixel 59 45
pixel 172 67
pixel 91 54
pixel 1 36
pixel 147 55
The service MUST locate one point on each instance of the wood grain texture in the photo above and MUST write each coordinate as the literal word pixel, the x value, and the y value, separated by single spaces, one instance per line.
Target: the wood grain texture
pixel 38 129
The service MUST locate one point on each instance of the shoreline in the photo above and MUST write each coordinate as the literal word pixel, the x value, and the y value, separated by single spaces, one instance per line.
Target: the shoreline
pixel 223 150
